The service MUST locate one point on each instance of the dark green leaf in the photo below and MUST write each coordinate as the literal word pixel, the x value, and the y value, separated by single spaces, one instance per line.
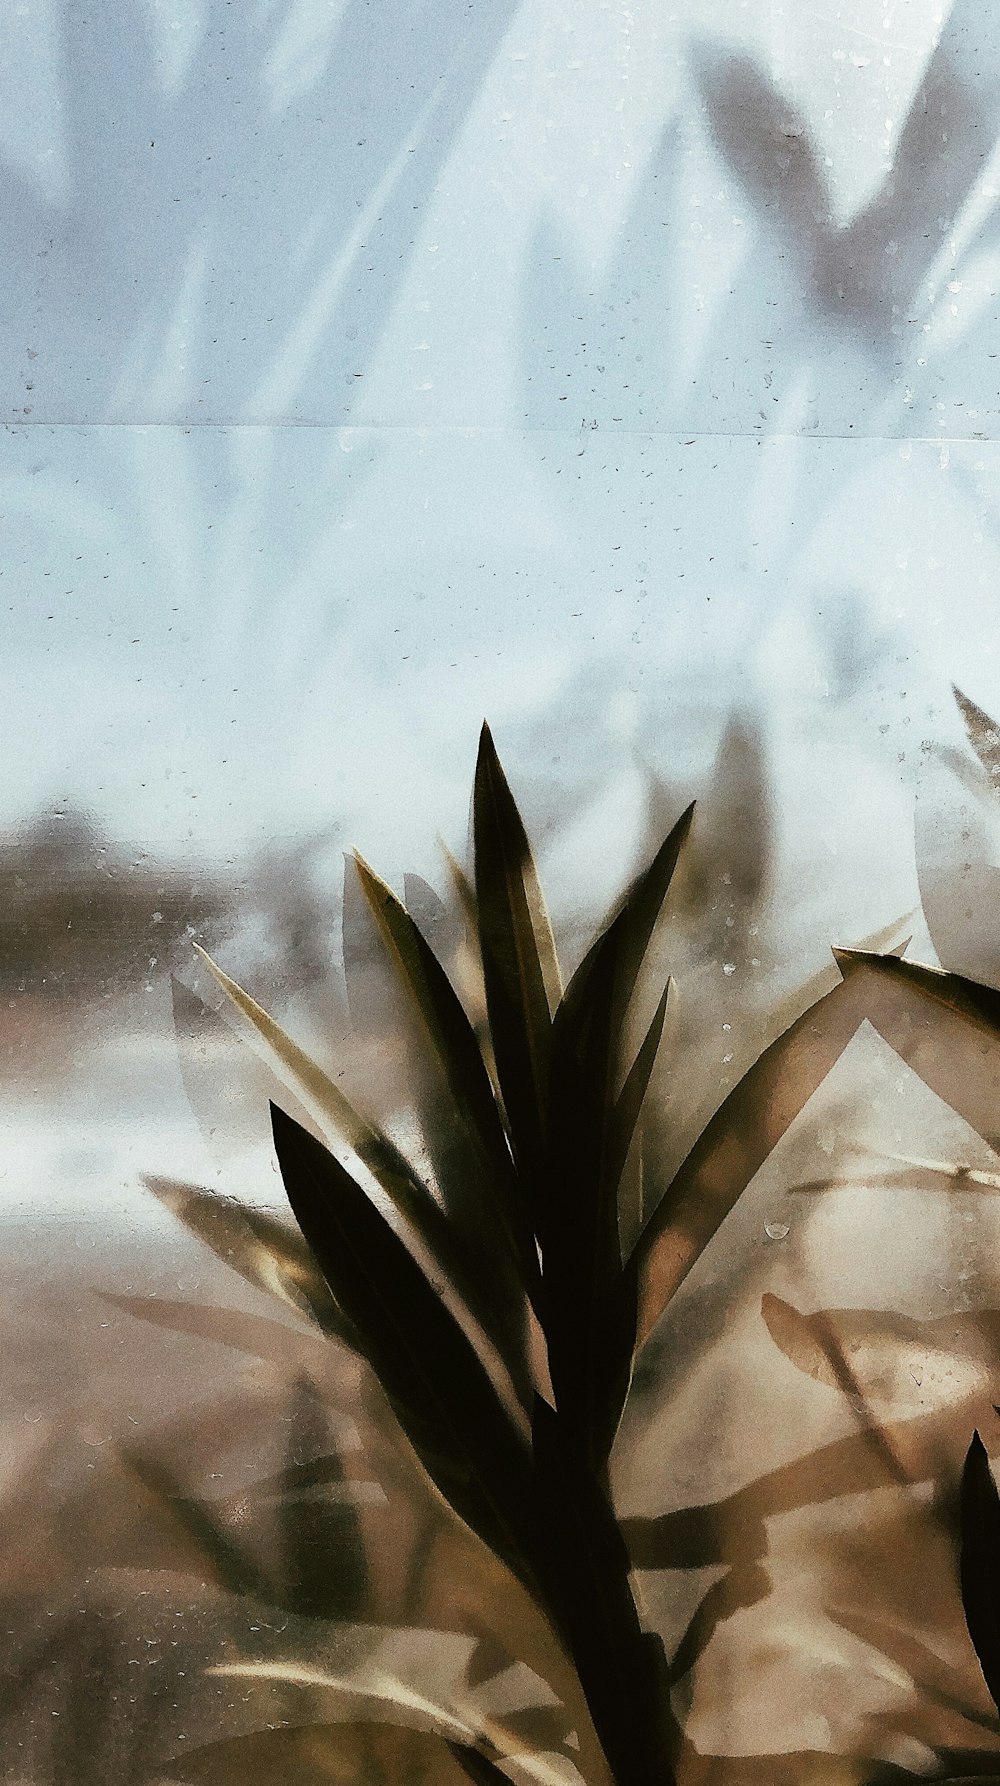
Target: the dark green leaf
pixel 630 1099
pixel 980 1562
pixel 590 1319
pixel 519 962
pixel 457 1050
pixel 439 1390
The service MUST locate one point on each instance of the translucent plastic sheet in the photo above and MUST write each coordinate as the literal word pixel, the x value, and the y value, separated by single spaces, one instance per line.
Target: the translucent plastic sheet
pixel 626 376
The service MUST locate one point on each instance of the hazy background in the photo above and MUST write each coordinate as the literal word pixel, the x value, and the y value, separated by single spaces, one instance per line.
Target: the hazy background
pixel 628 375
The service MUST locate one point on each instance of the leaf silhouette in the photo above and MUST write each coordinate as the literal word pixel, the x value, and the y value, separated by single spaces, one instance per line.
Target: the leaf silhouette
pixel 880 1351
pixel 501 1203
pixel 980 1561
pixel 590 1318
pixel 630 1099
pixel 435 1382
pixel 520 969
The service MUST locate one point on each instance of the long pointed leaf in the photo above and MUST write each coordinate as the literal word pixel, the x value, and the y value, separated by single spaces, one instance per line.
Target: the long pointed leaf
pixel 590 1317
pixel 438 1388
pixel 519 966
pixel 639 910
pixel 224 1327
pixel 454 1042
pixel 630 1100
pixel 980 1562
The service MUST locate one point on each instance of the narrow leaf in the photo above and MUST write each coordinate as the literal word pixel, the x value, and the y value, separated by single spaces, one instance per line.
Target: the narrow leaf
pixel 980 1562
pixel 519 963
pixel 438 1388
pixel 591 1314
pixel 457 1050
pixel 633 1092
pixel 640 908
pixel 224 1327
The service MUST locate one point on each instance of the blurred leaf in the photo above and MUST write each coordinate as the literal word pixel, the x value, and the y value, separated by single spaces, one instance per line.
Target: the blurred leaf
pixel 388 1166
pixel 927 1016
pixel 984 736
pixel 980 1562
pixel 234 1568
pixel 932 1679
pixel 464 891
pixel 450 1032
pixel 373 1688
pixel 268 1253
pixel 764 139
pixel 880 1351
pixel 324 1571
pixel 910 1175
pixel 520 969
pixel 439 1390
pixel 440 925
pixel 225 1327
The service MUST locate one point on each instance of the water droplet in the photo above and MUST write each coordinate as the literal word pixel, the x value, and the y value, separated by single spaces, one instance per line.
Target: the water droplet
pixel 776 1230
pixel 729 967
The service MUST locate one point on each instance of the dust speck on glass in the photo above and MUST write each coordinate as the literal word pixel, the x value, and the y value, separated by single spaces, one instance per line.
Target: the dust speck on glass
pixel 501 1248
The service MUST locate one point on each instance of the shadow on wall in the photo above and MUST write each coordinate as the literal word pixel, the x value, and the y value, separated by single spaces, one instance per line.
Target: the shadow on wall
pixel 609 349
pixel 168 188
